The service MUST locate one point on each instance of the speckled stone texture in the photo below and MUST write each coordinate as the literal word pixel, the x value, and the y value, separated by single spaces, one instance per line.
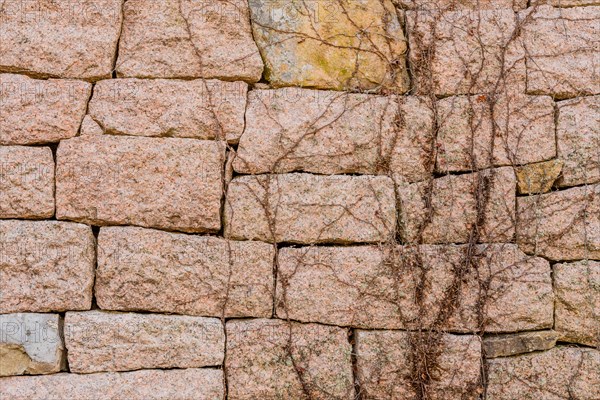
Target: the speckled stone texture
pixel 200 109
pixel 188 39
pixel 67 39
pixel 367 287
pixel 100 341
pixel 26 182
pixel 197 384
pixel 559 373
pixel 385 360
pixel 511 344
pixel 305 208
pixel 45 266
pixel 463 4
pixel 36 111
pixel 539 177
pixel 274 359
pixel 143 269
pixel 167 183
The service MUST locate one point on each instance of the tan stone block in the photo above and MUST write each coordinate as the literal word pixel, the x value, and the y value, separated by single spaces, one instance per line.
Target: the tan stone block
pixel 518 343
pixel 539 177
pixel 90 127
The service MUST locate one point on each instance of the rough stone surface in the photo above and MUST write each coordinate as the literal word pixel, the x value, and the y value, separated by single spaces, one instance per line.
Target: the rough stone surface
pixel 454 208
pixel 441 5
pixel 40 111
pixel 342 45
pixel 568 3
pixel 201 109
pixel 384 362
pixel 188 39
pixel 539 177
pixel 30 344
pixel 26 182
pixel 562 225
pixel 45 266
pixel 90 127
pixel 521 132
pixel 561 46
pixel 332 133
pixel 193 383
pixel 556 374
pixel 578 140
pixel 274 359
pixel 365 286
pixel 167 183
pixel 143 269
pixel 305 208
pixel 102 341
pixel 577 308
pixel 518 343
pixel 76 39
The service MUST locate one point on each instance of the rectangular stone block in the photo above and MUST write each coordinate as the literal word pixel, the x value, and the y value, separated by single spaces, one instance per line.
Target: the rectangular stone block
pixel 274 359
pixel 45 266
pixel 561 225
pixel 305 208
pixel 100 341
pixel 38 111
pixel 497 288
pixel 330 132
pixel 188 39
pixel 31 344
pixel 518 343
pixel 559 373
pixel 67 39
pixel 562 50
pixel 578 140
pixel 577 314
pixel 26 182
pixel 385 362
pixel 175 384
pixel 200 109
pixel 166 183
pixel 460 206
pixel 148 270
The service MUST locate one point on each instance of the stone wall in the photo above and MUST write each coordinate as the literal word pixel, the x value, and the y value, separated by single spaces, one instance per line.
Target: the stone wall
pixel 285 199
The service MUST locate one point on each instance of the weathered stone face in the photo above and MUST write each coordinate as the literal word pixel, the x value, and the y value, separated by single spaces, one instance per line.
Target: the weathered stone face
pixel 561 225
pixel 305 208
pixel 384 362
pixel 31 344
pixel 272 359
pixel 559 373
pixel 539 177
pixel 341 44
pixel 26 182
pixel 463 4
pixel 577 314
pixel 518 343
pixel 200 384
pixel 200 109
pixel 188 39
pixel 45 266
pixel 143 269
pixel 173 184
pixel 60 39
pixel 40 111
pixel 90 127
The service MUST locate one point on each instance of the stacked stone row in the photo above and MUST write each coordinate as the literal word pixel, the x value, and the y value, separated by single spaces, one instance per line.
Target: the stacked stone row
pixel 174 228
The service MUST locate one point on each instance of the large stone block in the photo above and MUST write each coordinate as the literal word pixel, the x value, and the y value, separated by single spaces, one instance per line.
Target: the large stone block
pixel 274 359
pixel 425 287
pixel 562 225
pixel 45 266
pixel 143 269
pixel 167 183
pixel 67 39
pixel 386 369
pixel 188 39
pixel 305 208
pixel 200 109
pixel 176 384
pixel 100 341
pixel 26 182
pixel 341 45
pixel 40 111
pixel 453 208
pixel 31 344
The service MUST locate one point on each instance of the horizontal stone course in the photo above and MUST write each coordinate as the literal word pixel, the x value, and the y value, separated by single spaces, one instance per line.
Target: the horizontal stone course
pixel 518 343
